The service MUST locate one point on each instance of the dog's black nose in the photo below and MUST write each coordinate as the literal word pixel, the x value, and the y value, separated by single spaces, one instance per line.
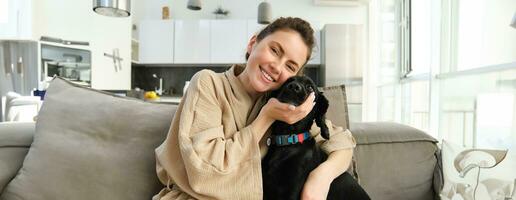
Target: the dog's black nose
pixel 296 87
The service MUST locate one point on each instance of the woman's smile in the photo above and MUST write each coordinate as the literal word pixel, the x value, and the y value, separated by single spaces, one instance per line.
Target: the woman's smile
pixel 266 76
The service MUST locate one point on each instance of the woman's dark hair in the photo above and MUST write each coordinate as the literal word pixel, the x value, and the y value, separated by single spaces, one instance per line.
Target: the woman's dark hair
pixel 290 23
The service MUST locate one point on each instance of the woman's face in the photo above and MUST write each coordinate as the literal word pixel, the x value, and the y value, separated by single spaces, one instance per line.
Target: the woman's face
pixel 274 59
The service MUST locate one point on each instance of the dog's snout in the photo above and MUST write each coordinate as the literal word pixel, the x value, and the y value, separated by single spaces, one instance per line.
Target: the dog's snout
pixel 296 87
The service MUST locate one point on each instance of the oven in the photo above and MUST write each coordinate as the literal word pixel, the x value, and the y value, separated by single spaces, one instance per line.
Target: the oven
pixel 72 64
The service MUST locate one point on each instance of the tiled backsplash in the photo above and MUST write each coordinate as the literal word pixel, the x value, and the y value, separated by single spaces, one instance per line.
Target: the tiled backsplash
pixel 174 77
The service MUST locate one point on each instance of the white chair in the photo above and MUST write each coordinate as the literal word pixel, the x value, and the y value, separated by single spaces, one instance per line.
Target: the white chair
pixel 21 108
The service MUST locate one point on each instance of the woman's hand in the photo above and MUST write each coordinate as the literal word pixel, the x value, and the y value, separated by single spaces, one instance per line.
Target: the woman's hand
pixel 288 113
pixel 275 110
pixel 317 186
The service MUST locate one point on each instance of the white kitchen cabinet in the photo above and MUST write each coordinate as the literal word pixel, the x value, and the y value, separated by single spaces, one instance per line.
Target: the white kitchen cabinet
pixel 70 20
pixel 228 41
pixel 16 19
pixel 156 41
pixel 253 28
pixel 316 52
pixel 343 53
pixel 192 41
pixel 202 41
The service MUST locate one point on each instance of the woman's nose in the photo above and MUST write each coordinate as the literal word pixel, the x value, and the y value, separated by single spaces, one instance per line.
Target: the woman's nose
pixel 274 68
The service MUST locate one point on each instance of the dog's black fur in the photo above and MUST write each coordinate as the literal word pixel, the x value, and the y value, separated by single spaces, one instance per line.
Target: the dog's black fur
pixel 286 168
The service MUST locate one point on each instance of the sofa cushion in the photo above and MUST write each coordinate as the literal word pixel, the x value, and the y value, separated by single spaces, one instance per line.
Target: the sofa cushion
pixel 395 161
pixel 338 114
pixel 92 145
pixel 338 109
pixel 15 140
pixel 492 175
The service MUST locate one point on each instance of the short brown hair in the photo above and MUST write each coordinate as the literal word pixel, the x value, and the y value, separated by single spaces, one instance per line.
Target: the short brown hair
pixel 290 23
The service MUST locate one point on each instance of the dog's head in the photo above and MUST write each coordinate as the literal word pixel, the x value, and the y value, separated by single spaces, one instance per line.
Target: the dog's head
pixel 295 91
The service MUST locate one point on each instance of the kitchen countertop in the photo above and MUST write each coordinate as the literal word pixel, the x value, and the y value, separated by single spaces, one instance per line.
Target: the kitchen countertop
pixel 168 99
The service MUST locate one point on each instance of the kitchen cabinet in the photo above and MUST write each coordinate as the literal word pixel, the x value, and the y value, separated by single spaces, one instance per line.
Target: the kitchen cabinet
pixel 253 28
pixel 228 41
pixel 156 41
pixel 15 19
pixel 70 20
pixel 343 53
pixel 192 41
pixel 316 52
pixel 202 41
pixel 18 66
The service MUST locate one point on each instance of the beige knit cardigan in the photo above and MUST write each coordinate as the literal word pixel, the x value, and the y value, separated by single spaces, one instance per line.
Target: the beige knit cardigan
pixel 210 151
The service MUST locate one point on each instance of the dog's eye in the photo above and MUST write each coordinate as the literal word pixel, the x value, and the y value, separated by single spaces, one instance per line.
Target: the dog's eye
pixel 310 89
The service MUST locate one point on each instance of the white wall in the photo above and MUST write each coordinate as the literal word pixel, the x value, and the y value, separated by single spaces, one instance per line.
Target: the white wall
pixel 247 9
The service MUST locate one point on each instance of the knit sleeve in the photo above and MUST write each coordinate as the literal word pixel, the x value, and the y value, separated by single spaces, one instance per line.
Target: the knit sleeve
pixel 339 138
pixel 204 144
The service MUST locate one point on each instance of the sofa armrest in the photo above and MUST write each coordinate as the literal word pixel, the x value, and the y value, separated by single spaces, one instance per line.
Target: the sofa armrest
pixel 15 141
pixel 395 161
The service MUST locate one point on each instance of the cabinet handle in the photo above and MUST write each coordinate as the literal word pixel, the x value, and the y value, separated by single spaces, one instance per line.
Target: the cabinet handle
pixel 19 66
pixel 61 41
pixel 117 60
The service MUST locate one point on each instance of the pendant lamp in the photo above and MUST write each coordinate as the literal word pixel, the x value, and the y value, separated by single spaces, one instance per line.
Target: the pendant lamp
pixel 194 4
pixel 112 8
pixel 264 13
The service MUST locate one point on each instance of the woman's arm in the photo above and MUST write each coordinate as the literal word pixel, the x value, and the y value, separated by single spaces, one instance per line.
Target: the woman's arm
pixel 319 180
pixel 340 152
pixel 338 162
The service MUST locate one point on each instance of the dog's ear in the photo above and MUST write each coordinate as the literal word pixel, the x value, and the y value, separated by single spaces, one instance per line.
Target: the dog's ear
pixel 321 106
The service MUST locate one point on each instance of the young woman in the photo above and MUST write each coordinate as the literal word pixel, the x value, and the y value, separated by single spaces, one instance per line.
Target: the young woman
pixel 217 137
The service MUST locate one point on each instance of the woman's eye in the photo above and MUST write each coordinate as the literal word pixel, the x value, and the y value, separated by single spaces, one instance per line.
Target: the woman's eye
pixel 291 68
pixel 274 50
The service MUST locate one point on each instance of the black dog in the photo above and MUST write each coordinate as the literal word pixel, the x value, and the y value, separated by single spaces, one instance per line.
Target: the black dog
pixel 293 153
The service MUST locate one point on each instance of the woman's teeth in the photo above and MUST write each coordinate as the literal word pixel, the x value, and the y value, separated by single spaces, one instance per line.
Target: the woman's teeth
pixel 267 76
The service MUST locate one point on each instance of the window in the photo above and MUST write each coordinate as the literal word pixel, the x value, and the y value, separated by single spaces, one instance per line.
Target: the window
pixel 478 110
pixel 459 83
pixel 484 37
pixel 420 36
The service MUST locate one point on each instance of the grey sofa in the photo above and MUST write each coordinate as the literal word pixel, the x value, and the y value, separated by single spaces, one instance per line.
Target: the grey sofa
pixel 392 161
pixel 89 144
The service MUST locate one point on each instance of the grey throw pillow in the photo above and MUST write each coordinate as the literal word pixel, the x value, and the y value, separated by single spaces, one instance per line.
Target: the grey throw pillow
pixel 338 114
pixel 338 109
pixel 92 145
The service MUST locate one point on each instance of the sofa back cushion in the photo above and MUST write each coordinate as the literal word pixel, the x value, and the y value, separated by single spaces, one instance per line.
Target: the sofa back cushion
pixel 15 140
pixel 92 145
pixel 338 107
pixel 395 161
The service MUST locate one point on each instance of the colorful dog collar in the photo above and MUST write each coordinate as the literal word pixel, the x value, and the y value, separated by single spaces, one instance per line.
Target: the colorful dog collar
pixel 283 140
